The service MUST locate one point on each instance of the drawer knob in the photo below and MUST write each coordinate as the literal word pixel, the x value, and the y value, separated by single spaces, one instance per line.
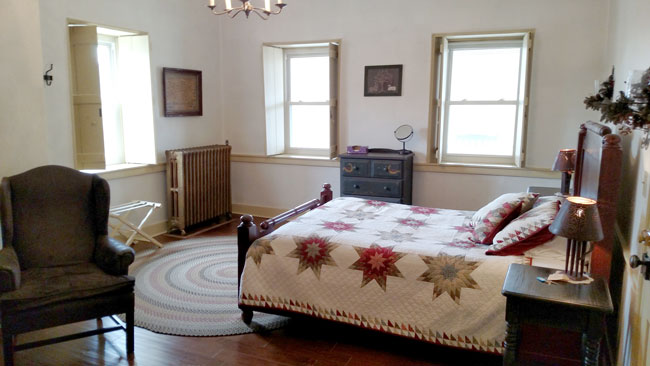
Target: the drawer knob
pixel 356 167
pixel 386 188
pixel 385 168
pixel 356 186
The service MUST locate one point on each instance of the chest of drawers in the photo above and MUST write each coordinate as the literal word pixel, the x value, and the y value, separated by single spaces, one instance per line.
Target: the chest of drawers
pixel 378 176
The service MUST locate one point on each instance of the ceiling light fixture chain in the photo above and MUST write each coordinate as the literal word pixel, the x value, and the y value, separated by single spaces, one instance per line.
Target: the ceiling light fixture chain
pixel 247 8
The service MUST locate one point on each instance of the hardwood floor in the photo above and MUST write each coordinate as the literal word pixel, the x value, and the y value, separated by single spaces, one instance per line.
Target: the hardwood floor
pixel 303 342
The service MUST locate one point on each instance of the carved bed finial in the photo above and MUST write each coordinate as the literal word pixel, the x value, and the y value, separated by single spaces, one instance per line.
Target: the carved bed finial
pixel 612 142
pixel 326 194
pixel 247 219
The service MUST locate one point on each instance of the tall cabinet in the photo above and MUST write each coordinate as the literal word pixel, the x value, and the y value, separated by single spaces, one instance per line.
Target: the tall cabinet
pixel 383 176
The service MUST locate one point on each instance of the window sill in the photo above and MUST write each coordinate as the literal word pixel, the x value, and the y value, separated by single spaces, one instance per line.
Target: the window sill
pixel 496 170
pixel 487 169
pixel 286 159
pixel 126 170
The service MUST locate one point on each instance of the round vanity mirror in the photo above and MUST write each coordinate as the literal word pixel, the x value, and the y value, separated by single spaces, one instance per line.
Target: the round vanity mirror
pixel 403 134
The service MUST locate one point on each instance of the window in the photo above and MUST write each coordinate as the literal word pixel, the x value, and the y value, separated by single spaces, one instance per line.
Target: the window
pixel 301 88
pixel 480 106
pixel 112 98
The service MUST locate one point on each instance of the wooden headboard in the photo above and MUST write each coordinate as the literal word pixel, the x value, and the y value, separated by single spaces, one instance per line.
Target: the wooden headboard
pixel 599 158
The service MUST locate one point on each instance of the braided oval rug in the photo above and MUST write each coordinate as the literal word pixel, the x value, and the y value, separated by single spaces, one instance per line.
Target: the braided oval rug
pixel 189 288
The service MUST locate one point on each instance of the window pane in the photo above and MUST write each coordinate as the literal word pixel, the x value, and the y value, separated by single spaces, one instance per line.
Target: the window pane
pixel 309 79
pixel 310 126
pixel 485 74
pixel 111 112
pixel 481 129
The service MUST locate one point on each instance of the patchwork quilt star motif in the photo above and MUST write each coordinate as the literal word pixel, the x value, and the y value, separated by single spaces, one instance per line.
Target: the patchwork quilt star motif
pixel 259 248
pixel 449 274
pixel 312 253
pixel 377 263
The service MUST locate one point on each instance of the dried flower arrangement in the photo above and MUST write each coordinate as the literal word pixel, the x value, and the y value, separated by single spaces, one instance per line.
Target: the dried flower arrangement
pixel 629 112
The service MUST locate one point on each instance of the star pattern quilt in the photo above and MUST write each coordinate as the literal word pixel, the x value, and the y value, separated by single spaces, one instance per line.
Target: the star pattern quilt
pixel 406 270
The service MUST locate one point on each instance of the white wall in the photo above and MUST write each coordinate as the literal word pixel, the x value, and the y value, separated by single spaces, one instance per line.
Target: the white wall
pixel 568 52
pixel 183 34
pixel 23 141
pixel 628 50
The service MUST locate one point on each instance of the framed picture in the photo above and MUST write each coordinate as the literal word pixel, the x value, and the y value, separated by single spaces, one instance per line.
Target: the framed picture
pixel 383 81
pixel 182 92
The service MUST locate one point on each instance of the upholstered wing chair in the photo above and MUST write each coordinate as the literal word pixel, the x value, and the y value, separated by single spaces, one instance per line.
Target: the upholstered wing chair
pixel 57 264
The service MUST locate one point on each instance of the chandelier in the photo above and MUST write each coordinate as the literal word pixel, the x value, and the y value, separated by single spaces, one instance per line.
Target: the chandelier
pixel 247 8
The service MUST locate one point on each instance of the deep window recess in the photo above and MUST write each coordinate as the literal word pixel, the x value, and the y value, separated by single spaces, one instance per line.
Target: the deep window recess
pixel 301 90
pixel 480 103
pixel 112 98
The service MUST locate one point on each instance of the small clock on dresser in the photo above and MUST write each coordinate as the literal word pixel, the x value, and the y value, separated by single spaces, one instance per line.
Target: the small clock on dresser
pixel 381 174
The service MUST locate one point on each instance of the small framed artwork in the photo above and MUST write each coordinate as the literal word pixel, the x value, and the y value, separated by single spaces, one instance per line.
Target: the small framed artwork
pixel 383 81
pixel 182 92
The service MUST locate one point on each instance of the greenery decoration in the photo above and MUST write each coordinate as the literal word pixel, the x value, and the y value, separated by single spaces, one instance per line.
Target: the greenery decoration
pixel 629 112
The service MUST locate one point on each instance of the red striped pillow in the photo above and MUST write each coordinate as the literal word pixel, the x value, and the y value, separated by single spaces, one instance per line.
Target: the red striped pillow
pixel 494 216
pixel 526 231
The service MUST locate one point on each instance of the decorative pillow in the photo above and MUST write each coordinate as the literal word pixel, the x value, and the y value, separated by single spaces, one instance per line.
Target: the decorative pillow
pixel 545 199
pixel 491 218
pixel 526 231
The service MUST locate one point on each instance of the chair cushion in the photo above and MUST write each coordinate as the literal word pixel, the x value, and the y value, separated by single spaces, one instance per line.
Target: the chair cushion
pixel 42 286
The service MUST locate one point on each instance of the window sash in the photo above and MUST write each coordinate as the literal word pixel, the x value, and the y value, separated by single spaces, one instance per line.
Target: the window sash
pixel 442 70
pixel 290 53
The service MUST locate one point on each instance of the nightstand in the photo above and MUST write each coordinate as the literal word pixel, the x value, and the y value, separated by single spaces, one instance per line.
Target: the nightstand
pixel 580 308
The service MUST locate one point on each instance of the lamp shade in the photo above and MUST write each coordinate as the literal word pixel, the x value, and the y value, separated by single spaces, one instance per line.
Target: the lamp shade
pixel 565 160
pixel 578 219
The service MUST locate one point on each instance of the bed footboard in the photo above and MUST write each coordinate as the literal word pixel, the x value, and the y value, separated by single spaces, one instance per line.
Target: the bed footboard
pixel 248 232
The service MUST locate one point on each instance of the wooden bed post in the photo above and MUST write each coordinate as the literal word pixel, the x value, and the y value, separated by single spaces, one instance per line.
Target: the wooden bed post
pixel 247 233
pixel 610 177
pixel 326 194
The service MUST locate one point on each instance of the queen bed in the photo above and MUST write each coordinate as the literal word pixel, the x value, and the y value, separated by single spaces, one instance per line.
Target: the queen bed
pixel 425 273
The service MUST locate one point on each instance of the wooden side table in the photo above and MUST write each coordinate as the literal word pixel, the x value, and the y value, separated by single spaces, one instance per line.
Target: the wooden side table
pixel 579 308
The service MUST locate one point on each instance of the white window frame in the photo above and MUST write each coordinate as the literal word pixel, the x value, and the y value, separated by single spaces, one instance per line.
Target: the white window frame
pixel 111 41
pixel 442 62
pixel 299 52
pixel 276 95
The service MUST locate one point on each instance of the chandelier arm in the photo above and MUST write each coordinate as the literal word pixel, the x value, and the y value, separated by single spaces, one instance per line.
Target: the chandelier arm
pixel 215 12
pixel 232 15
pixel 255 10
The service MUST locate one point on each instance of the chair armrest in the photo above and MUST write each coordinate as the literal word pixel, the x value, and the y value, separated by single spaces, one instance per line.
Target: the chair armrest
pixel 113 256
pixel 9 270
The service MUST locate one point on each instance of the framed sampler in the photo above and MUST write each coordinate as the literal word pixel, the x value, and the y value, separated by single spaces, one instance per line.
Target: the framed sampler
pixel 182 92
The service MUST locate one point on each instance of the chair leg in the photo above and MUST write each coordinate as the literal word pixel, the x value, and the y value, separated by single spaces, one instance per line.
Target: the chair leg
pixel 130 320
pixel 8 348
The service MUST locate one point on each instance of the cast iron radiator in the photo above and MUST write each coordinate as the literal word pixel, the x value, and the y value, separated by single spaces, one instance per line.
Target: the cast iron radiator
pixel 198 185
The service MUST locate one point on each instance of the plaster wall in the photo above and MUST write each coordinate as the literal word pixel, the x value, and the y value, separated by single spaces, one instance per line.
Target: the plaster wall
pixel 181 35
pixel 568 53
pixel 23 133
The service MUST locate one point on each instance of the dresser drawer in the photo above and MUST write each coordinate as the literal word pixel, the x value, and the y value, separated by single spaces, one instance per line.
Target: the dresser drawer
pixel 387 169
pixel 355 168
pixel 372 187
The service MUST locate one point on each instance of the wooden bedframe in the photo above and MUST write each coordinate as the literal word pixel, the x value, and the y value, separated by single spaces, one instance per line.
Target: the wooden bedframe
pixel 598 170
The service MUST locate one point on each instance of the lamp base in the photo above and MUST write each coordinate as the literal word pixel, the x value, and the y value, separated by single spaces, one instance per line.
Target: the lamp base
pixel 574 264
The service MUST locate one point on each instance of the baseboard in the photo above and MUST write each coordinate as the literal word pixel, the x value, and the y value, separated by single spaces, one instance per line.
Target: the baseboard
pixel 260 211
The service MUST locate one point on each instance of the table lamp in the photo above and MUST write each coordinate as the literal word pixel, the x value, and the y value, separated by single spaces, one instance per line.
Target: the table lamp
pixel 579 222
pixel 565 162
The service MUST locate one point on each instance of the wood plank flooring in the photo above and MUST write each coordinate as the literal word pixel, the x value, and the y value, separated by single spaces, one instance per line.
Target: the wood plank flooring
pixel 303 342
